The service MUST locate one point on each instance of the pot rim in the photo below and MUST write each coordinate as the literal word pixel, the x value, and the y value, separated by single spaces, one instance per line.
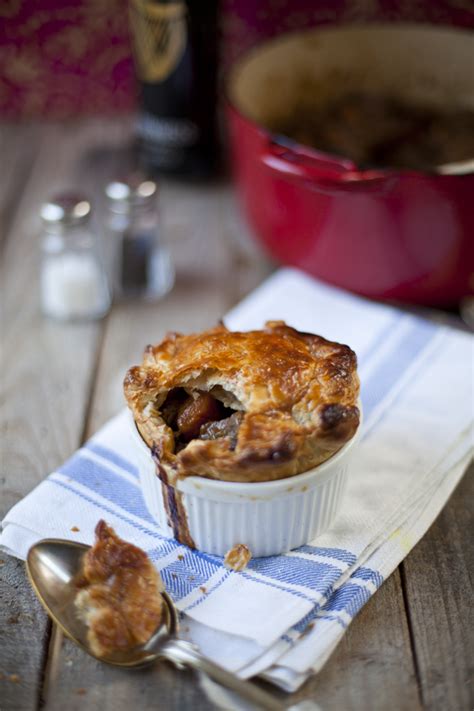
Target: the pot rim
pixel 458 169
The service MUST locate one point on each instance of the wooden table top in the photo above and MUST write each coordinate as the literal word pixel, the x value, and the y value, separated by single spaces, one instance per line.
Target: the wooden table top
pixel 410 647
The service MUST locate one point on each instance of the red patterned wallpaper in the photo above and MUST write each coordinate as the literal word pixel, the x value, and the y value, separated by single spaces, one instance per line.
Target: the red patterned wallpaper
pixel 61 58
pixel 64 57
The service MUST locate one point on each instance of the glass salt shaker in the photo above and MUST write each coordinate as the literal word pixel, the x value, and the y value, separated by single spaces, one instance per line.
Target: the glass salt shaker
pixel 142 263
pixel 73 281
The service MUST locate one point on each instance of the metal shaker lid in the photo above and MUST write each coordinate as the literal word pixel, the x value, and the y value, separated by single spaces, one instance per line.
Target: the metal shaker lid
pixel 66 209
pixel 135 190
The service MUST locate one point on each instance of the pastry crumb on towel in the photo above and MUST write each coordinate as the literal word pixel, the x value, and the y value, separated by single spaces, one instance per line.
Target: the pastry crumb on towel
pixel 119 595
pixel 238 557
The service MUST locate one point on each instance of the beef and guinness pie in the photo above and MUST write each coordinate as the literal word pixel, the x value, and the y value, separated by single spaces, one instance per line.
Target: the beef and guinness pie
pixel 244 406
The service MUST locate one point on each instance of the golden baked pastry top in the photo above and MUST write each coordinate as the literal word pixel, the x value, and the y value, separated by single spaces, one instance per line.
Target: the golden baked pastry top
pixel 118 594
pixel 244 406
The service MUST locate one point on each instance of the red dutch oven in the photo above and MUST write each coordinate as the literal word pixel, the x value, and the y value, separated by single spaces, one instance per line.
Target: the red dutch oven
pixel 388 233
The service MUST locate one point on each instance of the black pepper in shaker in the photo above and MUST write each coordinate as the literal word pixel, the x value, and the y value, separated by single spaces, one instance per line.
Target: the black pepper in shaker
pixel 142 266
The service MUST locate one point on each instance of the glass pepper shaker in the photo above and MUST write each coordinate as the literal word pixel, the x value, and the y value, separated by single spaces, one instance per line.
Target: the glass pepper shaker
pixel 142 264
pixel 73 280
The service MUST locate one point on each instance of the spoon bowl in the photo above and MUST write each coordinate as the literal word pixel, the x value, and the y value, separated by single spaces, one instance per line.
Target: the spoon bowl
pixel 53 568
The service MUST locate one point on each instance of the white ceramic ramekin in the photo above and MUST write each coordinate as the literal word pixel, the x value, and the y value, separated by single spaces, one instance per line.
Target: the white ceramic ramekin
pixel 270 517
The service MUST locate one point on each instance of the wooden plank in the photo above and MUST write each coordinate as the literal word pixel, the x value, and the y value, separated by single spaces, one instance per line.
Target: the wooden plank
pixel 80 683
pixel 437 576
pixel 45 386
pixel 19 146
pixel 23 628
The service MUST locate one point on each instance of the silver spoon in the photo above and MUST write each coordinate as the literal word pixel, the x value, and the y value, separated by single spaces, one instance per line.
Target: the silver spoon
pixel 52 566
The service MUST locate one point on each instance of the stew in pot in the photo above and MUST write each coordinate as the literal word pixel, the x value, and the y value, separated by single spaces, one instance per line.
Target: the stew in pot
pixel 381 131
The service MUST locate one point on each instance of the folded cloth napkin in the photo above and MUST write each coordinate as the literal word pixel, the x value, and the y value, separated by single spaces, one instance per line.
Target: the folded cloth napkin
pixel 283 615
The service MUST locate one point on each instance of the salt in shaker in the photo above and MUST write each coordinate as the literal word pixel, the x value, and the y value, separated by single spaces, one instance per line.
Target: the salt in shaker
pixel 142 264
pixel 73 280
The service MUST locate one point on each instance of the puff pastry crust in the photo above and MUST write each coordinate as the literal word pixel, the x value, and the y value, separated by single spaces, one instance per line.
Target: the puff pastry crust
pixel 119 594
pixel 244 406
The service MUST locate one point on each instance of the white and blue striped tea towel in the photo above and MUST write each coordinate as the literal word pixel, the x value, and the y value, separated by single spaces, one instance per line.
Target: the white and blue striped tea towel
pixel 283 615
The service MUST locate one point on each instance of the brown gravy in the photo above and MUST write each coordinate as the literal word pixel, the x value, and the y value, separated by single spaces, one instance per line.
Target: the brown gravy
pixel 379 131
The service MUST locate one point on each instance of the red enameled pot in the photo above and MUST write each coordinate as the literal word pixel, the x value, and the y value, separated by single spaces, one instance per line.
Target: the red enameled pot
pixel 390 234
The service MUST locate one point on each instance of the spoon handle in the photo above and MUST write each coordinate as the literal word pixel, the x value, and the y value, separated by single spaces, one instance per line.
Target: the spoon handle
pixel 183 653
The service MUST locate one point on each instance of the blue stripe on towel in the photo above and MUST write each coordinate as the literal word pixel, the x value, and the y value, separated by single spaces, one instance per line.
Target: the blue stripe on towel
pixel 103 507
pixel 207 592
pixel 108 484
pixel 275 571
pixel 333 618
pixel 270 583
pixel 307 620
pixel 348 598
pixel 183 576
pixel 336 553
pixel 112 456
pixel 345 599
pixel 368 574
pixel 381 336
pixel 297 571
pixel 389 371
pixel 260 581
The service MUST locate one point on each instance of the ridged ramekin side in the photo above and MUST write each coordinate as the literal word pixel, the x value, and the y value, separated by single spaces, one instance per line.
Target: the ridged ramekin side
pixel 266 527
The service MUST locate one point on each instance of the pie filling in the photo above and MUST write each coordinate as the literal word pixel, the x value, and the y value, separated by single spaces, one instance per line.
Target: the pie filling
pixel 197 414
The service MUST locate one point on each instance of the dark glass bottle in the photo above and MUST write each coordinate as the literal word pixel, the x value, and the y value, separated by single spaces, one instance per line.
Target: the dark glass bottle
pixel 175 52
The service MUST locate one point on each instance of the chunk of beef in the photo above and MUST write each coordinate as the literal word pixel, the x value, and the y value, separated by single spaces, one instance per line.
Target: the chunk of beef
pixel 229 427
pixel 196 412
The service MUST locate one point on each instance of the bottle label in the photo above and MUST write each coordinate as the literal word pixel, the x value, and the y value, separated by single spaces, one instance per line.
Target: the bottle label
pixel 159 37
pixel 174 132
